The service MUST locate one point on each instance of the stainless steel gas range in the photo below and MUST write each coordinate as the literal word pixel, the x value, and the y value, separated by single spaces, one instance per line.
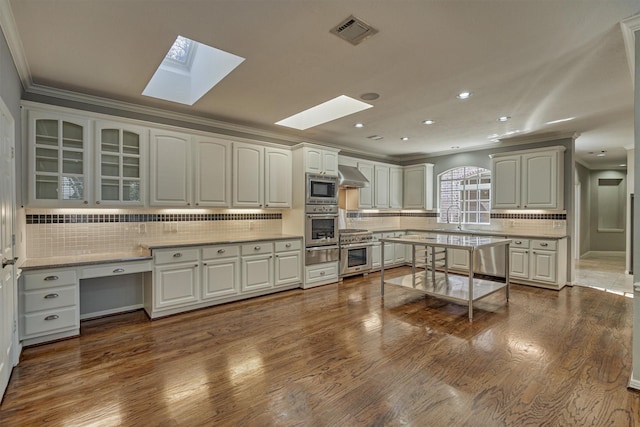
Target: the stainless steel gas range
pixel 355 251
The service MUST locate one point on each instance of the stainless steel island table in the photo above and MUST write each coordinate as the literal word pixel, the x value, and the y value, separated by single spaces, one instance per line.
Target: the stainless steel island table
pixel 459 289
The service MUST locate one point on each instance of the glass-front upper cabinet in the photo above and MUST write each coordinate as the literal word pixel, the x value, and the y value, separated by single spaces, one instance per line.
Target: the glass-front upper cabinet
pixel 59 160
pixel 120 163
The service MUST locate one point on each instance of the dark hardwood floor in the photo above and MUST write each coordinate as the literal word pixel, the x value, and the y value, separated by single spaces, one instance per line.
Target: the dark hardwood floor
pixel 338 355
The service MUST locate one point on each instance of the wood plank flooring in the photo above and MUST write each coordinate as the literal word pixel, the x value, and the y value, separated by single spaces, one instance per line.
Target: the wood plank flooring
pixel 338 355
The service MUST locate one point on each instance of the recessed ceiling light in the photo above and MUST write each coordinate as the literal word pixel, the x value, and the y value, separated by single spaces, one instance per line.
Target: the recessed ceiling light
pixel 601 154
pixel 371 96
pixel 358 125
pixel 333 109
pixel 503 118
pixel 464 95
pixel 375 137
pixel 189 70
pixel 428 122
pixel 405 138
pixel 560 121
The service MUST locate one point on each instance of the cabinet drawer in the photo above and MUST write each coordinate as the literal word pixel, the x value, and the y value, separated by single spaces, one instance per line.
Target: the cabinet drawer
pixel 519 243
pixel 223 251
pixel 170 256
pixel 48 299
pixel 115 269
pixel 289 245
pixel 549 245
pixel 49 321
pixel 48 279
pixel 257 248
pixel 322 272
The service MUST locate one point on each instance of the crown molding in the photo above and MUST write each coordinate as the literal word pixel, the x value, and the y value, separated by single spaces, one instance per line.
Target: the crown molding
pixel 629 26
pixel 10 31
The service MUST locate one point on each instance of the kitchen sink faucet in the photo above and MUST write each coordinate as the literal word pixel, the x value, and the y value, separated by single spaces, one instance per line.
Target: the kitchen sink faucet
pixel 459 215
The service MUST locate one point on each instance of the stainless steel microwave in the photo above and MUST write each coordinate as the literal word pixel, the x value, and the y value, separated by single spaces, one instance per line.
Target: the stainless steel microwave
pixel 322 190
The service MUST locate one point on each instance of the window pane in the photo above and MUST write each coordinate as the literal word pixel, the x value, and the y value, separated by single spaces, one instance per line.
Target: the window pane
pixel 464 192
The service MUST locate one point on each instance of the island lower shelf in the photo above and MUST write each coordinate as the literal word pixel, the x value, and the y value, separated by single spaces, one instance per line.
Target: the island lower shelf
pixel 449 287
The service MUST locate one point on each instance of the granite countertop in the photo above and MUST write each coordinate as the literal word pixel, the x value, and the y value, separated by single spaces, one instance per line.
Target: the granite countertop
pixel 506 233
pixel 144 253
pixel 217 239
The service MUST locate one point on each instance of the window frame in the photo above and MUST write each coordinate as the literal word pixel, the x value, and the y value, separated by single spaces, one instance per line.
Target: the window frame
pixel 473 201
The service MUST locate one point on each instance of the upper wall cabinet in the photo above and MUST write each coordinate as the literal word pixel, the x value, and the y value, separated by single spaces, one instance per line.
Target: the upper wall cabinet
pixel 189 170
pixel 321 161
pixel 396 181
pixel 531 179
pixel 262 176
pixel 418 187
pixel 366 200
pixel 120 164
pixel 59 153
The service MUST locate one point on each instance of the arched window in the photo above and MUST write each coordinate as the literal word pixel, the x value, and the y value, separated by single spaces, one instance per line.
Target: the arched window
pixel 464 195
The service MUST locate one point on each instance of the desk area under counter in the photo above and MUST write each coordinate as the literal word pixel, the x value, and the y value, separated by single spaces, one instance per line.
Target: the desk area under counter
pixel 163 278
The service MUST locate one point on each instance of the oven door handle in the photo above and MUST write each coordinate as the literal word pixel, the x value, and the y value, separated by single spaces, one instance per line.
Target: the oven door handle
pixel 356 245
pixel 321 248
pixel 322 216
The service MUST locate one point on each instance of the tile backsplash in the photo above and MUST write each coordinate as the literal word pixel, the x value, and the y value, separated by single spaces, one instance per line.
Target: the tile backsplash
pixel 60 233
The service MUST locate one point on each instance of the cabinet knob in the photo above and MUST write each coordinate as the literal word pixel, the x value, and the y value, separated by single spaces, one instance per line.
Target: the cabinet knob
pixel 322 273
pixel 177 255
pixel 544 244
pixel 188 204
pixel 85 202
pixel 256 248
pixel 518 242
pixel 52 317
pixel 51 296
pixel 204 263
pixel 49 278
pixel 221 251
pixel 119 270
pixel 288 245
pixel 196 265
pixel 97 202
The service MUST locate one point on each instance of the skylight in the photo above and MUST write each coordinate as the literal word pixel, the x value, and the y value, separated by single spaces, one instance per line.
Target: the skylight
pixel 189 70
pixel 333 109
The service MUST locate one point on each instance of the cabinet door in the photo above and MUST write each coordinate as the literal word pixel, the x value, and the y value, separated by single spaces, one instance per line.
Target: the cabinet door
pixel 330 163
pixel 288 268
pixel 175 285
pixel 120 164
pixel 170 183
pixel 519 263
pixel 375 256
pixel 418 187
pixel 396 176
pixel 277 179
pixel 381 187
pixel 366 194
pixel 458 259
pixel 540 179
pixel 220 278
pixel 59 160
pixel 212 164
pixel 313 160
pixel 257 272
pixel 543 266
pixel 248 174
pixel 505 182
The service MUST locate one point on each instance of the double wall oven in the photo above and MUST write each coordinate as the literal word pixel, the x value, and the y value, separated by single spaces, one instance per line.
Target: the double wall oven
pixel 321 222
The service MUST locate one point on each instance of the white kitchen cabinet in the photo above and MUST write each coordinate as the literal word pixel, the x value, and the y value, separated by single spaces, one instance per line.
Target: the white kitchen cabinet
pixel 540 262
pixel 376 262
pixel 262 176
pixel 366 194
pixel 288 262
pixel 170 169
pixel 220 271
pixel 49 306
pixel 400 249
pixel 518 263
pixel 257 266
pixel 212 167
pixel 531 179
pixel 320 274
pixel 120 164
pixel 277 178
pixel 59 160
pixel 396 187
pixel 321 161
pixel 418 187
pixel 176 285
pixel 458 259
pixel 380 187
pixel 543 265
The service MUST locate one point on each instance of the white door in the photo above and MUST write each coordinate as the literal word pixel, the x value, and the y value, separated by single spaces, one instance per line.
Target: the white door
pixel 170 169
pixel 248 174
pixel 505 182
pixel 366 193
pixel 257 272
pixel 287 268
pixel 8 275
pixel 381 195
pixel 543 266
pixel 540 179
pixel 213 172
pixel 220 278
pixel 395 187
pixel 519 263
pixel 277 186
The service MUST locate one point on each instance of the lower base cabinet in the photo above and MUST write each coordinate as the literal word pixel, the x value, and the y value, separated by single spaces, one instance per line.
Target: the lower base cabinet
pixel 320 274
pixel 538 262
pixel 186 279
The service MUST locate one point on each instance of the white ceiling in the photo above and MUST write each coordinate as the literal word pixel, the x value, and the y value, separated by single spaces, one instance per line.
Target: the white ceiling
pixel 533 60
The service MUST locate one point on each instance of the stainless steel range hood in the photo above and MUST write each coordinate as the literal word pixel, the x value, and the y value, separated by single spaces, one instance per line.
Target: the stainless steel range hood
pixel 351 177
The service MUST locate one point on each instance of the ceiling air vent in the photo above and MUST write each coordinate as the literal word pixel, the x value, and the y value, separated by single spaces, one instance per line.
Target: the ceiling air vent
pixel 353 30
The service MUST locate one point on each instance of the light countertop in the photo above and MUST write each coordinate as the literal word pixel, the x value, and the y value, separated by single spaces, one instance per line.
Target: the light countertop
pixel 505 233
